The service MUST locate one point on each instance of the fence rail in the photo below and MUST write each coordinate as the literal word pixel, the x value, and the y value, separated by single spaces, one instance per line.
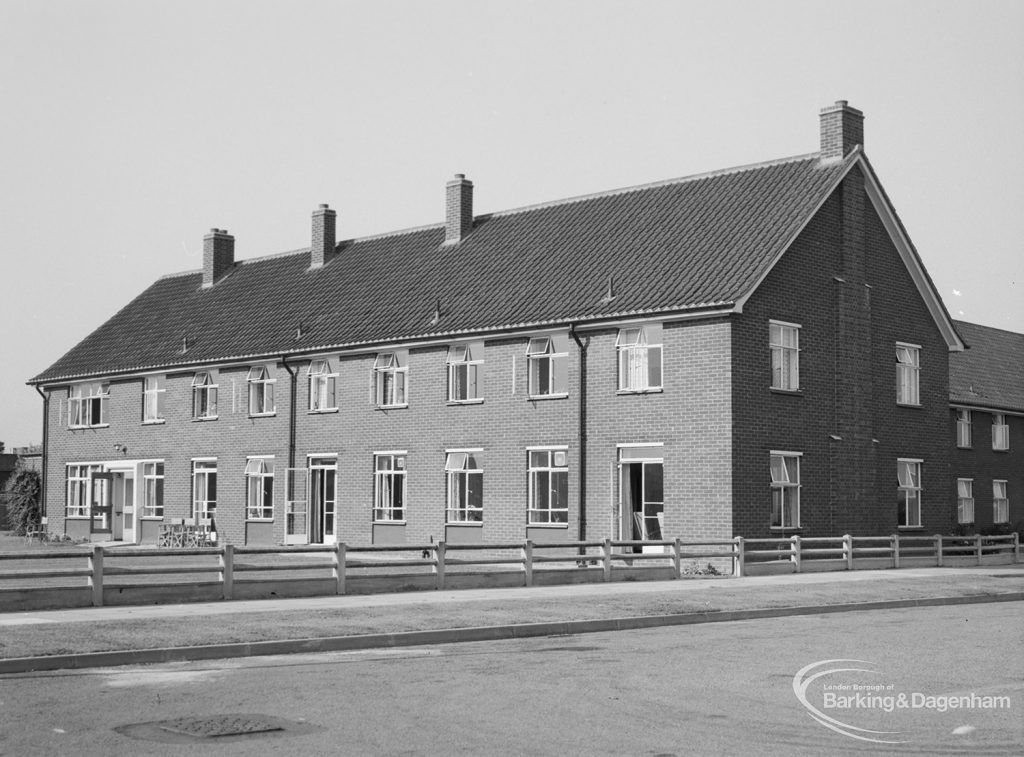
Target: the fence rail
pixel 126 575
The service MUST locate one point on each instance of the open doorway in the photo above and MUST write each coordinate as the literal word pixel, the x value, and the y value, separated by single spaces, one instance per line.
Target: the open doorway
pixel 641 494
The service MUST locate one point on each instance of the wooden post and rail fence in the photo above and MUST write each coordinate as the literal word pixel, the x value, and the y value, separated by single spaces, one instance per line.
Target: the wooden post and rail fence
pixel 131 575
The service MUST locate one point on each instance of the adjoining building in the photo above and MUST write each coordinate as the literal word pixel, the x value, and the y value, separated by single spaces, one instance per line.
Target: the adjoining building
pixel 755 351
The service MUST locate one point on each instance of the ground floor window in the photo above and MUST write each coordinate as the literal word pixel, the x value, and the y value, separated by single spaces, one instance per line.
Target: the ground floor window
pixel 908 493
pixel 964 500
pixel 204 488
pixel 259 476
pixel 389 487
pixel 465 471
pixel 77 504
pixel 785 485
pixel 549 486
pixel 153 490
pixel 1000 503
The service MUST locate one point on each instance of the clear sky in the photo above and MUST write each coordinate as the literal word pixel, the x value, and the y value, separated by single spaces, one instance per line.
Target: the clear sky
pixel 132 127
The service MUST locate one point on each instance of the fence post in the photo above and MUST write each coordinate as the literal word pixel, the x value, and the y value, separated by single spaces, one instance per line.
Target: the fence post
pixel 977 547
pixel 1016 547
pixel 677 567
pixel 439 563
pixel 340 556
pixel 227 571
pixel 528 561
pixel 794 551
pixel 740 566
pixel 848 550
pixel 96 579
pixel 938 550
pixel 607 562
pixel 895 550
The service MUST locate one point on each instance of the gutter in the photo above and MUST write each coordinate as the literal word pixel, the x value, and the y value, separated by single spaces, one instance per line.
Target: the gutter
pixel 291 411
pixel 582 434
pixel 46 447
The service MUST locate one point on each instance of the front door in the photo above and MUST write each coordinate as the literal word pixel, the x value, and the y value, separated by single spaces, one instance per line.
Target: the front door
pixel 101 505
pixel 123 496
pixel 323 475
pixel 641 495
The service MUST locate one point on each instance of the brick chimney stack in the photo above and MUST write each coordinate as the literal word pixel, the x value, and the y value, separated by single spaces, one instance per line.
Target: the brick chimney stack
pixel 218 255
pixel 458 217
pixel 322 247
pixel 842 129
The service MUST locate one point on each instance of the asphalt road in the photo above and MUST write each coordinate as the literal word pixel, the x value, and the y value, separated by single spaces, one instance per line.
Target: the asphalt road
pixel 724 688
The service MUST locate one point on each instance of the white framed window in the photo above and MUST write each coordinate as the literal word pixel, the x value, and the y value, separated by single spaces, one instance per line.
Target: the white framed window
pixel 908 493
pixel 1000 432
pixel 465 472
pixel 322 386
pixel 87 404
pixel 639 351
pixel 259 486
pixel 547 359
pixel 204 488
pixel 963 428
pixel 389 488
pixel 77 503
pixel 391 371
pixel 785 486
pixel 261 391
pixel 548 471
pixel 964 500
pixel 154 390
pixel 784 343
pixel 204 395
pixel 908 371
pixel 465 369
pixel 153 490
pixel 1000 503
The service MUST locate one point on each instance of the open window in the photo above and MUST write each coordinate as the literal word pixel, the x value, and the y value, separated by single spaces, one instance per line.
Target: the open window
pixel 322 386
pixel 547 358
pixel 465 486
pixel 87 404
pixel 391 370
pixel 204 396
pixel 785 486
pixel 465 368
pixel 261 391
pixel 639 351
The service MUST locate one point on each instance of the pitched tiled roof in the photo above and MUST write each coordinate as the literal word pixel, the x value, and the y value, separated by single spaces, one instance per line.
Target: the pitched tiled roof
pixel 686 244
pixel 991 373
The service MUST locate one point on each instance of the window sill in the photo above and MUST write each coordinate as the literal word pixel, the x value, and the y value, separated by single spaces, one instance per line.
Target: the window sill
pixel 389 522
pixel 968 447
pixel 86 428
pixel 259 520
pixel 324 411
pixel 392 407
pixel 652 390
pixel 916 405
pixel 795 530
pixel 152 518
pixel 910 528
pixel 561 396
pixel 1000 449
pixel 786 392
pixel 204 418
pixel 263 415
pixel 77 517
pixel 465 524
pixel 466 402
pixel 547 525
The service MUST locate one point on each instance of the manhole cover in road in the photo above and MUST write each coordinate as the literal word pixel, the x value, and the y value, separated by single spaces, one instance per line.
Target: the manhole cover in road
pixel 222 728
pixel 220 725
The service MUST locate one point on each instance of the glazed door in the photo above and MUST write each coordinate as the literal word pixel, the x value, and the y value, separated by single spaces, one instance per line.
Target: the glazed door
pixel 101 504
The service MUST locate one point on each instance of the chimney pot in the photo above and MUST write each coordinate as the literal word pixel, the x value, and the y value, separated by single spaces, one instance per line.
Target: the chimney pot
pixel 458 217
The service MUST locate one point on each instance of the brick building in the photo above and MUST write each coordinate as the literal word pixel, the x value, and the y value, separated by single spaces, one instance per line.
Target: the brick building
pixel 755 351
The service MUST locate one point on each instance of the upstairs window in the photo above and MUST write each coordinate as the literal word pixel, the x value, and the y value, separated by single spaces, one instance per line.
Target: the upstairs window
pixel 389 488
pixel 1000 432
pixel 549 487
pixel 465 365
pixel 963 428
pixel 964 500
pixel 322 386
pixel 1000 503
pixel 785 473
pixel 87 404
pixel 154 390
pixel 391 370
pixel 261 391
pixel 908 493
pixel 639 358
pixel 204 396
pixel 547 357
pixel 465 471
pixel 908 369
pixel 259 479
pixel 784 343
